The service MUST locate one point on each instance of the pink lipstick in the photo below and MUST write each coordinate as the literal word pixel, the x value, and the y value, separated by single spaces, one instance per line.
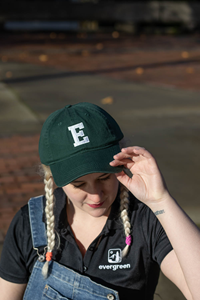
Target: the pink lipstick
pixel 96 205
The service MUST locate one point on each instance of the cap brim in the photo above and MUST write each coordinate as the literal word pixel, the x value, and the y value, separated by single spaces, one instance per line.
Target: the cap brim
pixel 94 161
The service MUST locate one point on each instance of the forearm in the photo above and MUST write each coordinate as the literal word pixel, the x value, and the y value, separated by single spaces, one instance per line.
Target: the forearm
pixel 184 236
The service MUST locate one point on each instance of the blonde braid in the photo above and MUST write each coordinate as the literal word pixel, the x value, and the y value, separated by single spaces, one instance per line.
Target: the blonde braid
pixel 124 206
pixel 50 219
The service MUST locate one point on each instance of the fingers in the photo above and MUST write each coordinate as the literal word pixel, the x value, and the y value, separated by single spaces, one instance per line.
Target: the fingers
pixel 129 156
pixel 132 153
pixel 135 151
pixel 120 162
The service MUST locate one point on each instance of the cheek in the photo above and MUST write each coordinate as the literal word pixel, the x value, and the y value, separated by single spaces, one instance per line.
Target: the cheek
pixel 74 194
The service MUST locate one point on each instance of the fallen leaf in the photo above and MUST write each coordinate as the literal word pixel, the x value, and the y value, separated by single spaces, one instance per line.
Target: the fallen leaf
pixel 107 100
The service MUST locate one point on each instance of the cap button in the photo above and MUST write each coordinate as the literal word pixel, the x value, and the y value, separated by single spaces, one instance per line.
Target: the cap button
pixel 110 297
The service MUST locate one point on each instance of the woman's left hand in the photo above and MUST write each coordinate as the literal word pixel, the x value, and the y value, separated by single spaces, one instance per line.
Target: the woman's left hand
pixel 147 183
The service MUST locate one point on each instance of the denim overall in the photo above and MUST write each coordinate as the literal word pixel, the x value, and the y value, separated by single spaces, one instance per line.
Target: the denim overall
pixel 61 283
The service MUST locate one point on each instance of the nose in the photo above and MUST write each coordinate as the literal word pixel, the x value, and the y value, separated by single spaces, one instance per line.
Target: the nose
pixel 95 198
pixel 95 194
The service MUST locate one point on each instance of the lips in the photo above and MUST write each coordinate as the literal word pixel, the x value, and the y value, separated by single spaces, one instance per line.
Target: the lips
pixel 96 205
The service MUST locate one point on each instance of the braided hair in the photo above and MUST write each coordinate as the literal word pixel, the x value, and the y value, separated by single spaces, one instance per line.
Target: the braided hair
pixel 124 208
pixel 50 219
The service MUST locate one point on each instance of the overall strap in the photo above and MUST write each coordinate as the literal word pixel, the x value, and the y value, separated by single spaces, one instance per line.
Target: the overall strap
pixel 38 230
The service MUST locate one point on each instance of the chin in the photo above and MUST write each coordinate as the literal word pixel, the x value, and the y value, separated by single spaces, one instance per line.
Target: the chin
pixel 97 213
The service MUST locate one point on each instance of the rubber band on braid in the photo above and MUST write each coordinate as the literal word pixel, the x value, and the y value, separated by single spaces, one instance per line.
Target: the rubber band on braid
pixel 50 219
pixel 124 207
pixel 49 256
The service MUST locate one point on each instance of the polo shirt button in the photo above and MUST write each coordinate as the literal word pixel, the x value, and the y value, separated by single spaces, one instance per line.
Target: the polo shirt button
pixel 110 297
pixel 85 268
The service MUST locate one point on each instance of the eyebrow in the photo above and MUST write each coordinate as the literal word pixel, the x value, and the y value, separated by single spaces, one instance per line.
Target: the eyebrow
pixel 78 181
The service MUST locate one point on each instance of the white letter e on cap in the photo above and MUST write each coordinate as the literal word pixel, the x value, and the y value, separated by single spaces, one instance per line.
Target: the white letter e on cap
pixel 76 134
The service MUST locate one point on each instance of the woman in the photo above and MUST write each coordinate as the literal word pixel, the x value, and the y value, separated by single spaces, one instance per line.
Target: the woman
pixel 95 239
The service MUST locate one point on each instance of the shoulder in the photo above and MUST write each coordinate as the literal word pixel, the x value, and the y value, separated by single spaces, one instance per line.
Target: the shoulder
pixel 142 218
pixel 139 210
pixel 19 232
pixel 17 249
pixel 20 222
pixel 147 229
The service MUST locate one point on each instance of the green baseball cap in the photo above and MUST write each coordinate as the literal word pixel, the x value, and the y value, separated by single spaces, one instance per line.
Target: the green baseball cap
pixel 77 140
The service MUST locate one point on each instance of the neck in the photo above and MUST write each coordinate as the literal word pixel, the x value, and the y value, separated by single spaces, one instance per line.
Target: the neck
pixel 78 216
pixel 84 227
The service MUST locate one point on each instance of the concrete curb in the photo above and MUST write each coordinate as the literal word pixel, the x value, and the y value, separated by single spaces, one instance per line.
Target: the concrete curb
pixel 14 114
pixel 12 109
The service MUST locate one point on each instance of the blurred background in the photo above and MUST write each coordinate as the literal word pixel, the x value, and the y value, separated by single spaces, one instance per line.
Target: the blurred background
pixel 139 60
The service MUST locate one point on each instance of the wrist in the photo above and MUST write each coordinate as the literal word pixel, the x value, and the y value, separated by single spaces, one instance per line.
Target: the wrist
pixel 158 206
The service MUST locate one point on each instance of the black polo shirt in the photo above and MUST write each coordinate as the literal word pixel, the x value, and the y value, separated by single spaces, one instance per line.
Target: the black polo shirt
pixel 134 276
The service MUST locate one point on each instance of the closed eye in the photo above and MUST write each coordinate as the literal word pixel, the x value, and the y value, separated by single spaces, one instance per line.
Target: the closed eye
pixel 105 178
pixel 79 185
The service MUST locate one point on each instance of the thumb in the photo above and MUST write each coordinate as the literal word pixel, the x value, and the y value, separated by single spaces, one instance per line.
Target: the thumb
pixel 123 178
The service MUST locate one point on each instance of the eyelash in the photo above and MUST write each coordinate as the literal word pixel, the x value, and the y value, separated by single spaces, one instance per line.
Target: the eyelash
pixel 78 186
pixel 105 178
pixel 82 184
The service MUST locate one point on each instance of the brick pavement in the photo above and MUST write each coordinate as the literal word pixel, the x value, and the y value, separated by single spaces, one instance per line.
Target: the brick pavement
pixel 19 176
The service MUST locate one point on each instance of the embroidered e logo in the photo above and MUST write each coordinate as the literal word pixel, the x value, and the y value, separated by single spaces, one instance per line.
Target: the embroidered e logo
pixel 77 134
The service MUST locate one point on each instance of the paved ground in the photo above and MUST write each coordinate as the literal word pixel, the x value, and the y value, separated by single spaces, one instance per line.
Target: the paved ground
pixel 150 85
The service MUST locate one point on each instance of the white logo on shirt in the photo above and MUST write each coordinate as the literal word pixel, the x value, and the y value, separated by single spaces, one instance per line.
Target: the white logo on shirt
pixel 80 133
pixel 114 256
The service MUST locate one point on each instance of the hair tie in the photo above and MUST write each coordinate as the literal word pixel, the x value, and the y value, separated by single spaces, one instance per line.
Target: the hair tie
pixel 49 256
pixel 128 240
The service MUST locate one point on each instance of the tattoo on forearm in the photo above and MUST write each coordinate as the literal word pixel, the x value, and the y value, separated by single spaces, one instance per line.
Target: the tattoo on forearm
pixel 159 212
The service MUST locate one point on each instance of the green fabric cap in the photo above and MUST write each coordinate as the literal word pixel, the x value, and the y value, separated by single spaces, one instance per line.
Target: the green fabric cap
pixel 77 140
